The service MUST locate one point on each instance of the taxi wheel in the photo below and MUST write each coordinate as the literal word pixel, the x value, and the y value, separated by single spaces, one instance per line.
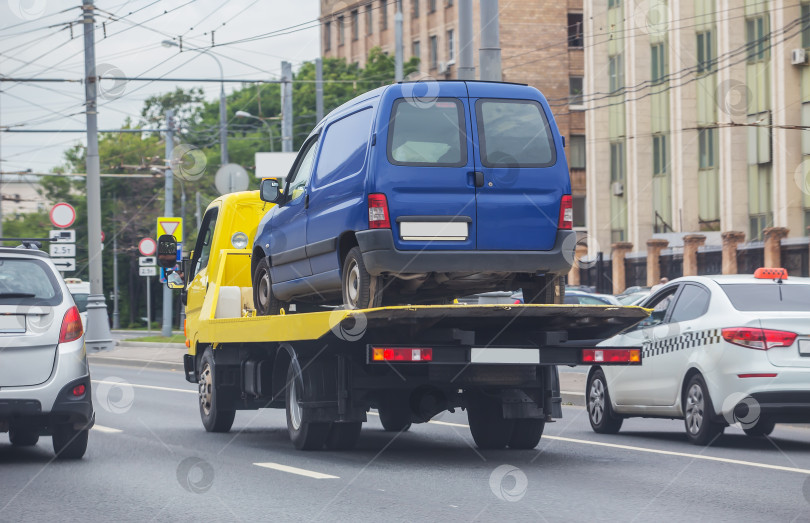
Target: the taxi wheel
pixel 527 433
pixel 264 300
pixel 215 417
pixel 546 290
pixel 489 428
pixel 343 436
pixel 701 429
pixel 23 436
pixel 763 428
pixel 600 412
pixel 69 443
pixel 360 289
pixel 305 435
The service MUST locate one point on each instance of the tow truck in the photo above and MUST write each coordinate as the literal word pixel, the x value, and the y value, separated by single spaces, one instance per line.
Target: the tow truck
pixel 328 367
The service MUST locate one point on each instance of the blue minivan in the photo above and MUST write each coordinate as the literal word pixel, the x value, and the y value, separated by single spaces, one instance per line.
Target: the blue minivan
pixel 419 193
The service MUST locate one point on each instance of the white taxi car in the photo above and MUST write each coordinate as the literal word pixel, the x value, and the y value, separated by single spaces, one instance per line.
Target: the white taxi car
pixel 717 351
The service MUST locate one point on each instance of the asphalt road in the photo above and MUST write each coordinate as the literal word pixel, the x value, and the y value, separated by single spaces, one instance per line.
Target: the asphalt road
pixel 150 459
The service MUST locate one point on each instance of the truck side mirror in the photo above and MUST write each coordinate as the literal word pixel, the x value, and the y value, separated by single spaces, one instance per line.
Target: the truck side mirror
pixel 167 251
pixel 269 190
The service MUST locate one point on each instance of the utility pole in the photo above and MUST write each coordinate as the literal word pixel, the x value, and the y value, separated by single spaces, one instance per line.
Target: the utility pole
pixel 168 210
pixel 286 108
pixel 223 126
pixel 489 55
pixel 318 92
pixel 116 316
pixel 399 47
pixel 466 53
pixel 98 327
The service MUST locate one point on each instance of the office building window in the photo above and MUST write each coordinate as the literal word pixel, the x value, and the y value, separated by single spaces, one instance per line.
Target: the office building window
pixel 355 25
pixel 327 36
pixel 383 15
pixel 575 90
pixel 806 25
pixel 341 30
pixel 617 162
pixel 705 52
pixel 369 26
pixel 616 73
pixel 659 155
pixel 415 10
pixel 658 63
pixel 577 158
pixel 580 217
pixel 416 49
pixel 759 138
pixel 431 6
pixel 434 52
pixel 757 36
pixel 614 3
pixel 576 36
pixel 706 151
pixel 451 46
pixel 448 3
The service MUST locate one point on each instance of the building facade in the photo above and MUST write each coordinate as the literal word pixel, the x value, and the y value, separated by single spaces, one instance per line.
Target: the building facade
pixel 541 45
pixel 694 112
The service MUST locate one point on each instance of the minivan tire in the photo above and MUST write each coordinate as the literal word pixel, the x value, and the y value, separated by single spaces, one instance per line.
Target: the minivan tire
pixel 360 289
pixel 264 300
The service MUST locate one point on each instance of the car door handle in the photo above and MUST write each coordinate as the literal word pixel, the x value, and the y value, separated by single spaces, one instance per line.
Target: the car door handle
pixel 478 177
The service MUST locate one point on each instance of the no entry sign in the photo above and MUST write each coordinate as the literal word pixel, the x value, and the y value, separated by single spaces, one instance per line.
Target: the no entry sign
pixel 62 215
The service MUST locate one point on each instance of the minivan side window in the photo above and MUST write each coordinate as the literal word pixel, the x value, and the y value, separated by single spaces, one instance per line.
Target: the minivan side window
pixel 343 149
pixel 298 180
pixel 427 134
pixel 514 133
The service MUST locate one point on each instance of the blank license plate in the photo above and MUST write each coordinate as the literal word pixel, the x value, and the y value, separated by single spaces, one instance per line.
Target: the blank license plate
pixel 12 323
pixel 804 347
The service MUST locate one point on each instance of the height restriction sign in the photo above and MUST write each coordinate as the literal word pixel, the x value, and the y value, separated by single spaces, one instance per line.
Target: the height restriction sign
pixel 170 226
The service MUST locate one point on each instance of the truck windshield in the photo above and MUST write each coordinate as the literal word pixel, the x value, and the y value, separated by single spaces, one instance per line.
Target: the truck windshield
pixel 427 133
pixel 768 297
pixel 28 282
pixel 514 133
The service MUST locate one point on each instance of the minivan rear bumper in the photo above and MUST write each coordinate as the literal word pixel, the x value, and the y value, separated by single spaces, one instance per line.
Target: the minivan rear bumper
pixel 381 256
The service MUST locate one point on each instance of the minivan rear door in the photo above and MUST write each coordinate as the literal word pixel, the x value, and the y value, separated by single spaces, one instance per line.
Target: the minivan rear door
pixel 426 168
pixel 523 169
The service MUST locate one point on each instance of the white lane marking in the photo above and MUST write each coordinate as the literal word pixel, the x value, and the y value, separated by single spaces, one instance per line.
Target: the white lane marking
pixel 106 430
pixel 295 470
pixel 448 424
pixel 152 387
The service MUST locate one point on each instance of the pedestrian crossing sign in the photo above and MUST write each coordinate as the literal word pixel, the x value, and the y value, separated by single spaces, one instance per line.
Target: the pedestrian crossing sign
pixel 171 226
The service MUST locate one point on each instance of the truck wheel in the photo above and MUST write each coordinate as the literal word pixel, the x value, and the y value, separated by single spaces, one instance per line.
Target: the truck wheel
pixel 489 428
pixel 305 435
pixel 23 436
pixel 600 412
pixel 546 290
pixel 343 436
pixel 263 299
pixel 360 289
pixel 394 418
pixel 69 443
pixel 527 433
pixel 215 417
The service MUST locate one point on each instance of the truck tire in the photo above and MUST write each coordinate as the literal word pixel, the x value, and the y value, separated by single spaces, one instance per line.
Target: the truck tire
pixel 305 435
pixel 546 290
pixel 215 417
pixel 360 289
pixel 343 436
pixel 489 428
pixel 69 443
pixel 264 300
pixel 527 433
pixel 394 418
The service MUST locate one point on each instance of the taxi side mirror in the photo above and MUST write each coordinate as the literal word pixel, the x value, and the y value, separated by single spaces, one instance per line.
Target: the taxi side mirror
pixel 167 251
pixel 270 190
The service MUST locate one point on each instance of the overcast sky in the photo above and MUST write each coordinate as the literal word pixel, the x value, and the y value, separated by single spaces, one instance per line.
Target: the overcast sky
pixel 35 41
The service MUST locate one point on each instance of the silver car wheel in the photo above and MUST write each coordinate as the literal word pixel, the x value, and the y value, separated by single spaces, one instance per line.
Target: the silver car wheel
pixel 695 409
pixel 596 401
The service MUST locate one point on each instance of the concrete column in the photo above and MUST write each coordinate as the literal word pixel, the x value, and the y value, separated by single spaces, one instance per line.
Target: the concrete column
pixel 573 275
pixel 730 241
pixel 691 242
pixel 773 245
pixel 654 248
pixel 620 250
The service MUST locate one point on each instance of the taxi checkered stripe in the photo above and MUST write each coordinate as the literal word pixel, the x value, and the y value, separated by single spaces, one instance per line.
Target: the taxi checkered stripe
pixel 687 340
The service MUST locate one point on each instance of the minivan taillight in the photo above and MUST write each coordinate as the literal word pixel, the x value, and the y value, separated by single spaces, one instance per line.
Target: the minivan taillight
pixel 378 212
pixel 71 326
pixel 760 339
pixel 566 212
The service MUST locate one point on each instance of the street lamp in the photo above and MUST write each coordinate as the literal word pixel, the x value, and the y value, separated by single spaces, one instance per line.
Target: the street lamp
pixel 245 114
pixel 223 132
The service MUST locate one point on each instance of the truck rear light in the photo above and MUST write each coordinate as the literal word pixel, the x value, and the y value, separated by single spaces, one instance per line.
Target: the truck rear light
pixel 566 212
pixel 759 339
pixel 401 354
pixel 611 355
pixel 71 326
pixel 378 212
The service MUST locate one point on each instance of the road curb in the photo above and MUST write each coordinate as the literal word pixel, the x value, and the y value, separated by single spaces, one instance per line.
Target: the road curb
pixel 129 362
pixel 152 345
pixel 573 398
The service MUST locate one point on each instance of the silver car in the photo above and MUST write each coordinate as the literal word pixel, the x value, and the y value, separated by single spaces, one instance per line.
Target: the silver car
pixel 44 377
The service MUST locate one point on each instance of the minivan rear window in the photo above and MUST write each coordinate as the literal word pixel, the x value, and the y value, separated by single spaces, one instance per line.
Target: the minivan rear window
pixel 30 282
pixel 427 134
pixel 514 133
pixel 768 297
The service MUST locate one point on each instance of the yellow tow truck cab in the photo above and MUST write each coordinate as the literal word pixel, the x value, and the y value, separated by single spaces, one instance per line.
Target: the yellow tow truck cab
pixel 329 368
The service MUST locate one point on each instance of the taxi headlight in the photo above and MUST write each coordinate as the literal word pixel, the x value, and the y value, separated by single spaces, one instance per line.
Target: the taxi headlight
pixel 239 240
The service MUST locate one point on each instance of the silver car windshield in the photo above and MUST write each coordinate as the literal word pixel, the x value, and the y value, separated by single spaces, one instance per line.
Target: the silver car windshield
pixel 28 282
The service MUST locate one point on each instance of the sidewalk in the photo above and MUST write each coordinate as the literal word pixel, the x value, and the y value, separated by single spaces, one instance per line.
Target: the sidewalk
pixel 169 356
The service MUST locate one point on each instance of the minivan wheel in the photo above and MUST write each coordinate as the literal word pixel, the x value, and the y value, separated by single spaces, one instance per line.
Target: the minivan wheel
pixel 264 300
pixel 360 289
pixel 23 436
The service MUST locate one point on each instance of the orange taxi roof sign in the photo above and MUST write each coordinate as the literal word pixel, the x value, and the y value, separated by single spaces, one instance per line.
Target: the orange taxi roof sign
pixel 771 273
